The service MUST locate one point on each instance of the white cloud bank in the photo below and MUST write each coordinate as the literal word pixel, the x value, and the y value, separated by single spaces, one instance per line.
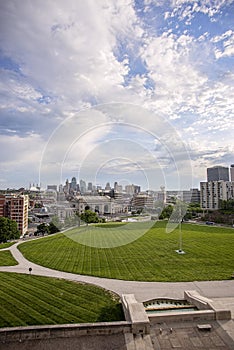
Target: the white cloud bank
pixel 61 57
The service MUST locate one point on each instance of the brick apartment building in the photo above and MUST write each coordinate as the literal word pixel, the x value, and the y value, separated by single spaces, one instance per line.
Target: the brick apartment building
pixel 15 207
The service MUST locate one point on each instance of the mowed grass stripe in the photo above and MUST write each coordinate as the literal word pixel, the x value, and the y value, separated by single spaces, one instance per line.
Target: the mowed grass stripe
pixel 65 307
pixel 8 316
pixel 112 263
pixel 67 290
pixel 118 262
pixel 123 263
pixel 96 261
pixel 209 254
pixel 33 300
pixel 21 301
pixel 6 259
pixel 37 307
pixel 20 308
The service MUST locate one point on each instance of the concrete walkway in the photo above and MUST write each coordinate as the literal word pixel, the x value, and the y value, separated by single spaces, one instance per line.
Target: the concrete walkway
pixel 142 290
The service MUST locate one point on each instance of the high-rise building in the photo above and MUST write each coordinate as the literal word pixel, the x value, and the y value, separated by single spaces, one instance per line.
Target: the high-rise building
pixel 61 194
pixel 161 196
pixel 232 172
pixel 73 184
pixel 118 188
pixel 90 186
pixel 132 189
pixel 213 192
pixel 107 187
pixel 66 188
pixel 129 189
pixel 137 189
pixel 15 207
pixel 217 173
pixel 82 186
pixel 191 196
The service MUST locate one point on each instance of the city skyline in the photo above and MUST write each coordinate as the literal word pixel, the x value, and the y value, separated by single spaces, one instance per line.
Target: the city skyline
pixel 228 172
pixel 138 92
pixel 219 173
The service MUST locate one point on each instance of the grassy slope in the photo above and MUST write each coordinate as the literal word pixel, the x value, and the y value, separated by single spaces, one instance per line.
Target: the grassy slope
pixel 34 300
pixel 209 255
pixel 6 245
pixel 6 259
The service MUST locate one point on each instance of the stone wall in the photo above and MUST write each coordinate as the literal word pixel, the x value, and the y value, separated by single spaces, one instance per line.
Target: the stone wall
pixel 92 336
pixel 103 335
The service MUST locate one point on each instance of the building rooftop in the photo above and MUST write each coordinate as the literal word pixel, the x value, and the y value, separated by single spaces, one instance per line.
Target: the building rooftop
pixel 93 199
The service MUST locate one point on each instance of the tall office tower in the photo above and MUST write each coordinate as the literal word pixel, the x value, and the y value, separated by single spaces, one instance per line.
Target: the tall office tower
pixel 129 189
pixel 232 172
pixel 108 187
pixel 82 186
pixel 15 207
pixel 73 184
pixel 61 194
pixel 217 173
pixel 66 188
pixel 118 188
pixel 137 189
pixel 90 186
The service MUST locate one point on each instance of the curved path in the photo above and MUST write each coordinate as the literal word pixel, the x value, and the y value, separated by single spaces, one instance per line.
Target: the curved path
pixel 142 290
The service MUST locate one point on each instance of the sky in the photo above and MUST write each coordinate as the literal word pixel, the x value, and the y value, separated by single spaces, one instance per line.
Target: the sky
pixel 115 90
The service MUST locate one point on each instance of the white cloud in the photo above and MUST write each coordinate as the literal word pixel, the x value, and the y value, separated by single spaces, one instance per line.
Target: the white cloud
pixel 227 44
pixel 20 160
pixel 72 55
pixel 170 61
pixel 185 9
pixel 72 43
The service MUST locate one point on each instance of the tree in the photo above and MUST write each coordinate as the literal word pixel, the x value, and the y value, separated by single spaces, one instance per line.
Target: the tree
pixel 166 213
pixel 227 205
pixel 89 217
pixel 52 228
pixel 8 229
pixel 43 229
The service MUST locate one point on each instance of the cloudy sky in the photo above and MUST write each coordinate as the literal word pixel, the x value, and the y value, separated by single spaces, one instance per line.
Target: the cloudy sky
pixel 116 90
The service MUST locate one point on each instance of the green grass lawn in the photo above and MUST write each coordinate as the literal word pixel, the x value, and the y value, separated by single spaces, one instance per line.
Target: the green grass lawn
pixel 152 257
pixel 35 300
pixel 6 259
pixel 6 245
